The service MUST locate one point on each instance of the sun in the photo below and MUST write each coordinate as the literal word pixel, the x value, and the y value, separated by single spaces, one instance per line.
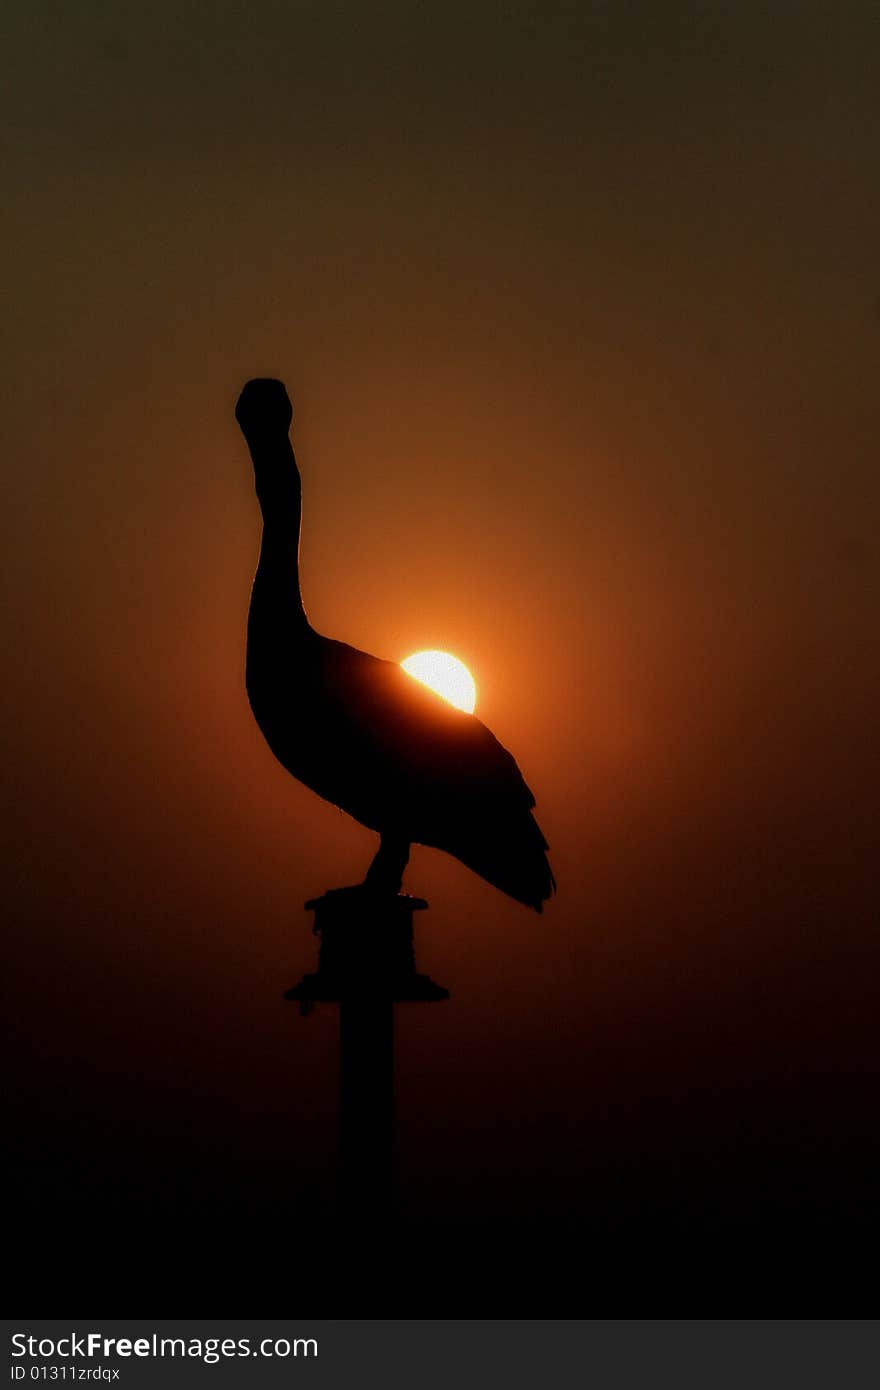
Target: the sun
pixel 445 674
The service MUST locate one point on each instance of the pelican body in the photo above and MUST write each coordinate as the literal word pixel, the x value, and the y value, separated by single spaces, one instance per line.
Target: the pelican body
pixel 357 729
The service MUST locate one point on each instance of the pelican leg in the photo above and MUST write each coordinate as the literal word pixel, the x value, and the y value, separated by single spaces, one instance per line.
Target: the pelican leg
pixel 386 871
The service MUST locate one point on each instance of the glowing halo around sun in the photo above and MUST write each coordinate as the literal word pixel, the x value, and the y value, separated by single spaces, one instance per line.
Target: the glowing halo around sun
pixel 445 674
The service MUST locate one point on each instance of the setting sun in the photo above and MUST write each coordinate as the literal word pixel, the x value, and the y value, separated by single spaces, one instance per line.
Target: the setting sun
pixel 445 674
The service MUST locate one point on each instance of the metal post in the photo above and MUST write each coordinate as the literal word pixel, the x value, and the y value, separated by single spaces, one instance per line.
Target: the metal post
pixel 366 1105
pixel 366 963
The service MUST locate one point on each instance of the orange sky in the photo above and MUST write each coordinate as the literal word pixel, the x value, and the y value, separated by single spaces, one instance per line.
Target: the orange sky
pixel 579 315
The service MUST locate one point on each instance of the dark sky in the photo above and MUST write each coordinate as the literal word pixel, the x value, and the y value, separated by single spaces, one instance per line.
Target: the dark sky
pixel 579 308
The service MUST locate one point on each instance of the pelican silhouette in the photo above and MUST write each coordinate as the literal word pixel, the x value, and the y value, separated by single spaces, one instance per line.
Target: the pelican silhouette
pixel 358 730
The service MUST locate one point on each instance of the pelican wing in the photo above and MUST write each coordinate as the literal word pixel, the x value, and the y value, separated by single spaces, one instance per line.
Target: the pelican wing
pixel 412 762
pixel 416 740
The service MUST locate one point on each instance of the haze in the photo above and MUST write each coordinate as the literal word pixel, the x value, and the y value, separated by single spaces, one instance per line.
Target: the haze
pixel 578 308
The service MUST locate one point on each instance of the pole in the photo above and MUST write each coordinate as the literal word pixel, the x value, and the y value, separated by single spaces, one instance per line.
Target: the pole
pixel 366 963
pixel 366 1107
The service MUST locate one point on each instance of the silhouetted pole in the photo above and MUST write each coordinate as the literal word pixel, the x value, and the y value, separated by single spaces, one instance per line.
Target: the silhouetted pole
pixel 366 1105
pixel 366 963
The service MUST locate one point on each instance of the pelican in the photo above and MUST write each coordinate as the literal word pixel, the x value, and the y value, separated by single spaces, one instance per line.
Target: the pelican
pixel 358 730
